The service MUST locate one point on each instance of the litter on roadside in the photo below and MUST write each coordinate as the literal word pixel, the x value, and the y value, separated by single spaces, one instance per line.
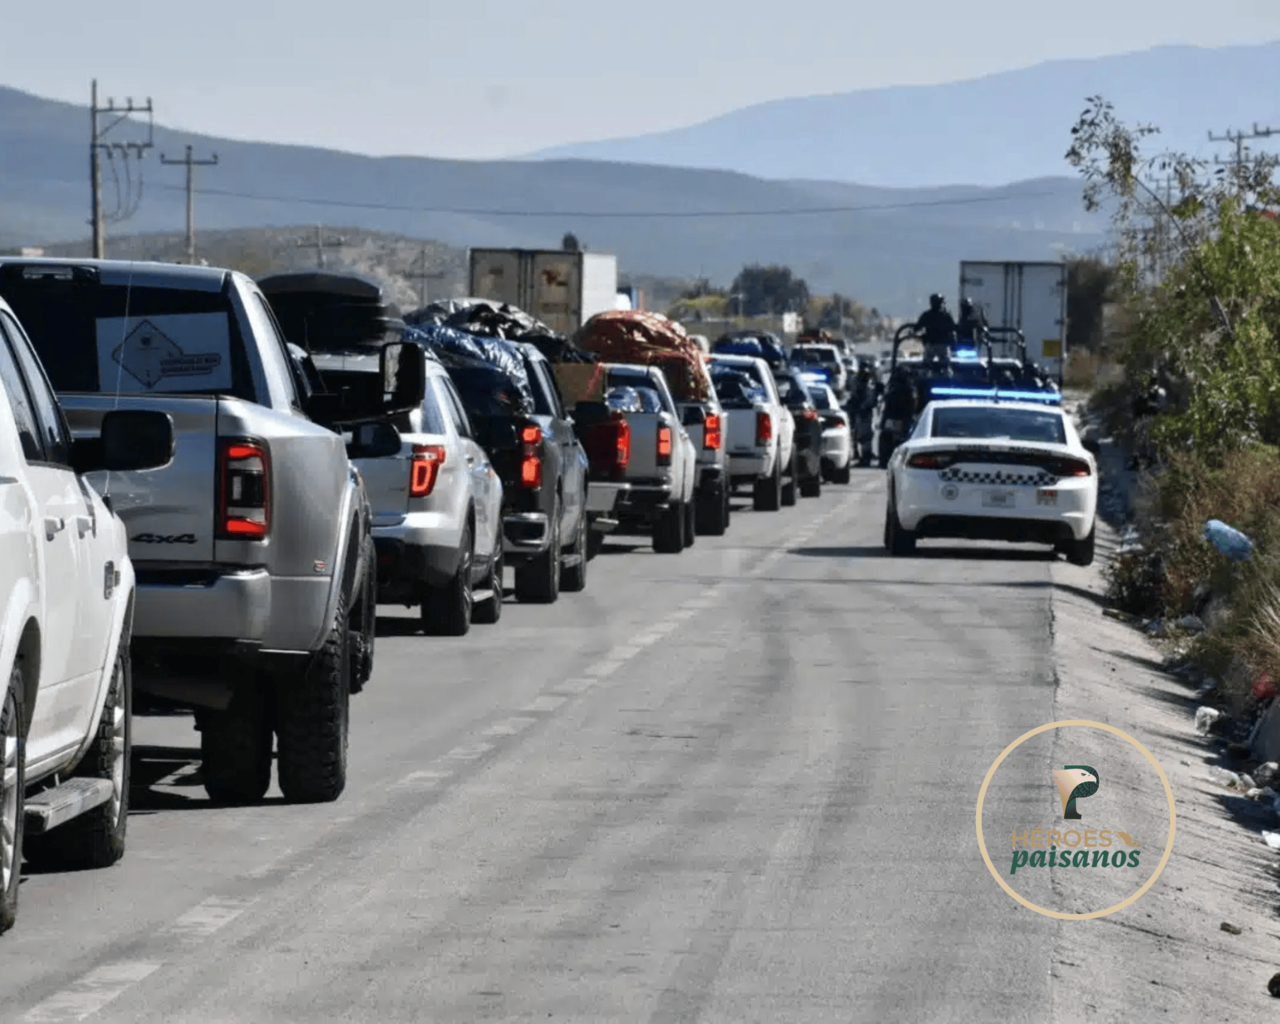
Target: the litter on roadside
pixel 1231 542
pixel 1205 717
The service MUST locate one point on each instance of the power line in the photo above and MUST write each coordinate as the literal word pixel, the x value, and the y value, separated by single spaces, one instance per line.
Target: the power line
pixel 419 270
pixel 190 165
pixel 672 214
pixel 1238 138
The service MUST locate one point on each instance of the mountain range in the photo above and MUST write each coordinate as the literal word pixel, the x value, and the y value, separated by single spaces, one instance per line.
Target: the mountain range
pixel 888 247
pixel 986 131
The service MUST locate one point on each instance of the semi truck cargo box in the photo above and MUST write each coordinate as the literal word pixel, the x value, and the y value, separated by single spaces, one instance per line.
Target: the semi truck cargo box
pixel 1029 296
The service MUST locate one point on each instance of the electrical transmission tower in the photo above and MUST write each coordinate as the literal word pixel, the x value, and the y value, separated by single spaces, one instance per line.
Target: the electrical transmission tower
pixel 190 164
pixel 321 243
pixel 126 204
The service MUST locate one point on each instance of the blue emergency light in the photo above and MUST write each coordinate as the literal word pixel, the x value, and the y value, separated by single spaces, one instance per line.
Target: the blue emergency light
pixel 996 395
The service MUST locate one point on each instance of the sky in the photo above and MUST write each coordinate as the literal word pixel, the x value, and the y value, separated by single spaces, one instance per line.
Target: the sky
pixel 481 79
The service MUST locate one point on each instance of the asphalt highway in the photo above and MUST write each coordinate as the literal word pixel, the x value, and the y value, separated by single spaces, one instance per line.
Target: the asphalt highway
pixel 734 785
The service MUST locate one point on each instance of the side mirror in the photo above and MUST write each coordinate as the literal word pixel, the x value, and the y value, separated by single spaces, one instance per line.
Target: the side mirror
pixel 404 377
pixel 694 416
pixel 128 440
pixel 374 440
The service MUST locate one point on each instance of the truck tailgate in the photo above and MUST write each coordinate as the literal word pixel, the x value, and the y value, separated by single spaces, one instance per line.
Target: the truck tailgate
pixel 740 431
pixel 643 464
pixel 168 512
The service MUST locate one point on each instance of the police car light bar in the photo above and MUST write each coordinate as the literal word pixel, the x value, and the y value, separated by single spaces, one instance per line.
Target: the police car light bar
pixel 813 377
pixel 1048 397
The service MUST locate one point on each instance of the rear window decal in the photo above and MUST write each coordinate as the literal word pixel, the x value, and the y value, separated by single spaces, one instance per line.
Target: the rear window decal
pixel 172 352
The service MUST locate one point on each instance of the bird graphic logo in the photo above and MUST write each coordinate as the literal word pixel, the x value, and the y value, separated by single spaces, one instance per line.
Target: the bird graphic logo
pixel 1074 782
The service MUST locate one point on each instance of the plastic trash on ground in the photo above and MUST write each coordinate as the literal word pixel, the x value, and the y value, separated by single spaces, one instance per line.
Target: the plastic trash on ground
pixel 1272 839
pixel 1231 542
pixel 1223 777
pixel 1205 717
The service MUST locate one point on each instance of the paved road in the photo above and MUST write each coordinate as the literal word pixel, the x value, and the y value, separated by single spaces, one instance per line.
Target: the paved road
pixel 731 785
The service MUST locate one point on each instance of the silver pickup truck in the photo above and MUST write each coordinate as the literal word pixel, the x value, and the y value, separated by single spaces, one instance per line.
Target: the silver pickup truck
pixel 662 466
pixel 255 568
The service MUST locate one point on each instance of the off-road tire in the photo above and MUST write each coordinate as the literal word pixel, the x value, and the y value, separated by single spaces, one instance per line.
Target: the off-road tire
pixel 668 530
pixel 363 640
pixel 313 719
pixel 13 757
pixel 843 475
pixel 447 610
pixel 1080 552
pixel 811 488
pixel 235 747
pixel 789 488
pixel 573 578
pixel 690 523
pixel 96 839
pixel 538 581
pixel 489 611
pixel 712 511
pixel 767 494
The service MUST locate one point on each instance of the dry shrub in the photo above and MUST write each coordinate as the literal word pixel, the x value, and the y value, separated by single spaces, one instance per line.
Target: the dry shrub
pixel 1082 370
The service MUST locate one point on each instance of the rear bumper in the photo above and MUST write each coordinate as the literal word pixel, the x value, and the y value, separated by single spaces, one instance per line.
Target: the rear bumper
pixel 646 500
pixel 405 565
pixel 525 533
pixel 1060 511
pixel 1015 531
pixel 753 465
pixel 604 496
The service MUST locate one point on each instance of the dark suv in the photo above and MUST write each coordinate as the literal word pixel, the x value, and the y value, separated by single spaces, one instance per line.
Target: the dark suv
pixel 808 459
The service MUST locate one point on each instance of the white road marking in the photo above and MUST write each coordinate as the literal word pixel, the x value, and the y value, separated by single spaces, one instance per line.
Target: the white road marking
pixel 90 994
pixel 206 918
pixel 175 777
pixel 426 777
pixel 571 687
pixel 624 653
pixel 547 702
pixel 510 727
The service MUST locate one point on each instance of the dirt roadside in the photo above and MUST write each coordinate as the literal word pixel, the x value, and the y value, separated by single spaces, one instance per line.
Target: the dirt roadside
pixel 1165 957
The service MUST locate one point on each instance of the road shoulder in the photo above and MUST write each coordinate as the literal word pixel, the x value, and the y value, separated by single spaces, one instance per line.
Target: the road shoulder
pixel 1165 956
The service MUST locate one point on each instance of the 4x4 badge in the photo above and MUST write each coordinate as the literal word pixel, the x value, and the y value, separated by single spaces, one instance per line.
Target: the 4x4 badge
pixel 159 538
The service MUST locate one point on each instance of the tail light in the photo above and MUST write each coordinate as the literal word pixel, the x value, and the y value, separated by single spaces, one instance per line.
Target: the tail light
pixel 809 414
pixel 926 460
pixel 711 433
pixel 531 456
pixel 623 456
pixel 1070 467
pixel 424 469
pixel 764 428
pixel 664 446
pixel 244 491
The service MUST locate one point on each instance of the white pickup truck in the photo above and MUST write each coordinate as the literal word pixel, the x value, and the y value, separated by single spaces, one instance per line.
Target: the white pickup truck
pixel 66 601
pixel 662 467
pixel 759 430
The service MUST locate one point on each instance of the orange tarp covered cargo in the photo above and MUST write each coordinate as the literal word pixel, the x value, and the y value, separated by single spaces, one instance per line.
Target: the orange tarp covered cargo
pixel 650 339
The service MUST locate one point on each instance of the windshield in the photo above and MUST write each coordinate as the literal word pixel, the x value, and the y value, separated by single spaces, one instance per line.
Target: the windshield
pixel 995 423
pixel 821 398
pixel 173 341
pixel 813 356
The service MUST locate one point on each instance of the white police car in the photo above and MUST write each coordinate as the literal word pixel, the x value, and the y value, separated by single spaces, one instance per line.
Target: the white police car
pixel 995 466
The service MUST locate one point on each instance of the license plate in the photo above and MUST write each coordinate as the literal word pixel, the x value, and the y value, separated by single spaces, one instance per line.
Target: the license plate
pixel 1044 497
pixel 998 499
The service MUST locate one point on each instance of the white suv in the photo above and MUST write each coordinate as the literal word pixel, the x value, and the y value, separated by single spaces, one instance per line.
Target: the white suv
pixel 66 598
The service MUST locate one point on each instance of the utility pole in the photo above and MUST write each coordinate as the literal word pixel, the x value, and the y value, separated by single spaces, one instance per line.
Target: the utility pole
pixel 419 270
pixel 321 243
pixel 190 164
pixel 1238 138
pixel 97 145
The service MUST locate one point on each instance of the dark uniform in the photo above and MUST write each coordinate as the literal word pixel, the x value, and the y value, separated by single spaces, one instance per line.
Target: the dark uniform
pixel 938 327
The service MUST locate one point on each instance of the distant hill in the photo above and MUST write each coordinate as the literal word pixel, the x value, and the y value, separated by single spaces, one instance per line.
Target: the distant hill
pixel 887 257
pixel 987 131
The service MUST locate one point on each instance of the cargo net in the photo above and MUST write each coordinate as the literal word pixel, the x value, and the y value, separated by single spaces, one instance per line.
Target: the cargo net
pixel 649 339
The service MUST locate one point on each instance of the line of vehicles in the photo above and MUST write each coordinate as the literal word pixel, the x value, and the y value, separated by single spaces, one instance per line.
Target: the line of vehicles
pixel 211 483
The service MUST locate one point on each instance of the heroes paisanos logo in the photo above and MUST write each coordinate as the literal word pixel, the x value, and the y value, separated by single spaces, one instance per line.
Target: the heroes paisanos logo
pixel 1090 849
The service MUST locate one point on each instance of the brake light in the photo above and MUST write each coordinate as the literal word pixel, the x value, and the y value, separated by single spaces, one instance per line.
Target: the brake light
pixel 623 450
pixel 424 469
pixel 924 460
pixel 764 428
pixel 809 414
pixel 711 433
pixel 1071 467
pixel 664 446
pixel 244 491
pixel 531 456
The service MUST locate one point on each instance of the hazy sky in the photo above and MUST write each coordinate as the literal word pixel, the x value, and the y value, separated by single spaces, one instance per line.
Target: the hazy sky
pixel 491 78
